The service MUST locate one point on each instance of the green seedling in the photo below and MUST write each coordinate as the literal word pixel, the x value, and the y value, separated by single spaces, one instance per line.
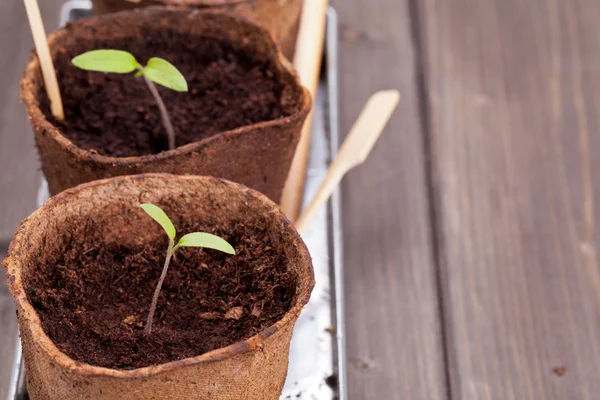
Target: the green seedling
pixel 195 239
pixel 156 70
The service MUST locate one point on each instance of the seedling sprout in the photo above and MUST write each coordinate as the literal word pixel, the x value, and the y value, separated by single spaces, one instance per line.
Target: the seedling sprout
pixel 195 239
pixel 157 70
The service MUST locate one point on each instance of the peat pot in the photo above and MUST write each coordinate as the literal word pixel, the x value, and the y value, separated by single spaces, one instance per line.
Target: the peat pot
pixel 83 268
pixel 240 120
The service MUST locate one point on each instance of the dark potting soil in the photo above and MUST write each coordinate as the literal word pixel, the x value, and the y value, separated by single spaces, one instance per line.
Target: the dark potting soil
pixel 116 115
pixel 93 297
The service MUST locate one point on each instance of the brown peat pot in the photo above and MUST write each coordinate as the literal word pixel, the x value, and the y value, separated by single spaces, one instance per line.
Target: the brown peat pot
pixel 240 120
pixel 280 17
pixel 83 267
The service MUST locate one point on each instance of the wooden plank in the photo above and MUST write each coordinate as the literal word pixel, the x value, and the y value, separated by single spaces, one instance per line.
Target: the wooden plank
pixel 8 332
pixel 393 327
pixel 19 176
pixel 513 91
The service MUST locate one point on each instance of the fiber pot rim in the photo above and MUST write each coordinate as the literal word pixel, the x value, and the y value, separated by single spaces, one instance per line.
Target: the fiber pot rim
pixel 205 3
pixel 254 343
pixel 37 117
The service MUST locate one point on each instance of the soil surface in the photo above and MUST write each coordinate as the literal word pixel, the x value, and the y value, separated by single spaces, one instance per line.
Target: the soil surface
pixel 93 298
pixel 116 115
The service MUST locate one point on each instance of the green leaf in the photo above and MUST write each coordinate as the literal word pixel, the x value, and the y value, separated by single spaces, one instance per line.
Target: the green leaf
pixel 164 73
pixel 117 61
pixel 159 216
pixel 206 240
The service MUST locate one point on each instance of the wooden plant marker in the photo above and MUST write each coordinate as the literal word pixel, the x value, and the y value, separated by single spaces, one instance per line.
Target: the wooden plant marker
pixel 43 52
pixel 355 149
pixel 307 61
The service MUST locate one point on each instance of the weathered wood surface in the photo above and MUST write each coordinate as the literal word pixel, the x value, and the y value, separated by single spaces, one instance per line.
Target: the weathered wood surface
pixel 392 313
pixel 513 89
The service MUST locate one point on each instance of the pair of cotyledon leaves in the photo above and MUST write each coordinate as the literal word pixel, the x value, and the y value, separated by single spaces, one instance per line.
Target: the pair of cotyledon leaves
pixel 157 69
pixel 164 73
pixel 195 239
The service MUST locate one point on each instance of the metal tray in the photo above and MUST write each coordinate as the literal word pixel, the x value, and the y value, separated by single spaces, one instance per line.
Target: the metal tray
pixel 317 369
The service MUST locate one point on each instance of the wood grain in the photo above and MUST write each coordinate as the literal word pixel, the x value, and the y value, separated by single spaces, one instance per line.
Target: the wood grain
pixel 392 319
pixel 513 91
pixel 8 332
pixel 19 171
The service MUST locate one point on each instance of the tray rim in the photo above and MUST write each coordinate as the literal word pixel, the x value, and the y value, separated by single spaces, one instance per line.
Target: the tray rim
pixel 335 206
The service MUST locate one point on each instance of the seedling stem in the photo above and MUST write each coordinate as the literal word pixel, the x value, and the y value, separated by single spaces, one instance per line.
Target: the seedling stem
pixel 163 112
pixel 195 239
pixel 170 251
pixel 157 70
